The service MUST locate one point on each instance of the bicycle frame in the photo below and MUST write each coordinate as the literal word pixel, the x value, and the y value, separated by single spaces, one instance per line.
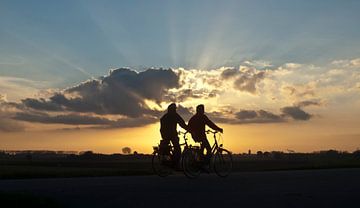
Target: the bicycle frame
pixel 185 144
pixel 216 145
pixel 220 163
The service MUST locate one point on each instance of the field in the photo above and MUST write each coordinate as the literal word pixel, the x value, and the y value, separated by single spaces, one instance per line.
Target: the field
pixel 91 165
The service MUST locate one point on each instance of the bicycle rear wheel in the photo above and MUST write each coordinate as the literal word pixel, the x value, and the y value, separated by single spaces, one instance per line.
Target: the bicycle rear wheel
pixel 160 164
pixel 191 163
pixel 222 162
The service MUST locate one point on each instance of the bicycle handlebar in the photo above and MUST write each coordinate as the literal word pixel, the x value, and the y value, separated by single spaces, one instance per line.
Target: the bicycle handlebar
pixel 212 132
pixel 207 131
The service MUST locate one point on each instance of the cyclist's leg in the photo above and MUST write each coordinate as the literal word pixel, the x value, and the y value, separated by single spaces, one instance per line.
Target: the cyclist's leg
pixel 164 144
pixel 206 145
pixel 177 150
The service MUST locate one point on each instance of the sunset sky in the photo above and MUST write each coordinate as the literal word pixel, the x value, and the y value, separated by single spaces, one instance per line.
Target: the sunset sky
pixel 97 75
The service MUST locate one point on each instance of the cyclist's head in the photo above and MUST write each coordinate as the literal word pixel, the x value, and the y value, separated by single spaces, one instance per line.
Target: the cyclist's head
pixel 172 108
pixel 200 109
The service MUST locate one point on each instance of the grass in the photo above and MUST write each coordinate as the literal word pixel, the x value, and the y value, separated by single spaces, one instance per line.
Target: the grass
pixel 59 168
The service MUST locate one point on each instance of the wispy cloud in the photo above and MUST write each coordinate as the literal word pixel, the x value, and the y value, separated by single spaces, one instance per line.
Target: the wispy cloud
pixel 16 88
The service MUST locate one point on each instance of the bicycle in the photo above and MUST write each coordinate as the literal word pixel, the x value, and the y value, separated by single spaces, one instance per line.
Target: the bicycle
pixel 162 159
pixel 221 159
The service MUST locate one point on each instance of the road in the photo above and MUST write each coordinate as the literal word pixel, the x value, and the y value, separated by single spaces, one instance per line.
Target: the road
pixel 306 188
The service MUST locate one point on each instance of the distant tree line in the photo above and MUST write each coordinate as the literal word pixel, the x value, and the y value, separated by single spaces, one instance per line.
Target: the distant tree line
pixel 127 152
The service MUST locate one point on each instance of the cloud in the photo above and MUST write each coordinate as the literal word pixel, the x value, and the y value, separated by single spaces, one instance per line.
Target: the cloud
pixel 296 113
pixel 309 103
pixel 347 63
pixel 243 116
pixel 76 119
pixel 248 83
pixel 125 98
pixel 185 94
pixel 246 114
pixel 116 100
pixel 185 112
pixel 73 119
pixel 246 79
pixel 41 104
pixel 16 88
pixel 122 92
pixel 259 116
pixel 7 124
pixel 229 73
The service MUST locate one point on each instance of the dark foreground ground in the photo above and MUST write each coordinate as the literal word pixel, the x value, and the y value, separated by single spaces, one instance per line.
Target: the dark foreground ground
pixel 300 188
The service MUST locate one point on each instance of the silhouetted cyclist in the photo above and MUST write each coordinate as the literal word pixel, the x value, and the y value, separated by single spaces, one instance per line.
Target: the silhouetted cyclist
pixel 196 127
pixel 168 124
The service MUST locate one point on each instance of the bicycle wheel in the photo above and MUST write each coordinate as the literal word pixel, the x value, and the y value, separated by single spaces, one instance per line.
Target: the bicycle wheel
pixel 160 164
pixel 191 163
pixel 222 162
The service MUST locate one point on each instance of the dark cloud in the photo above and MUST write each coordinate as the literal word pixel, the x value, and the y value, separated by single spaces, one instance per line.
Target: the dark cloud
pixel 76 119
pixel 41 104
pixel 309 103
pixel 228 73
pixel 245 80
pixel 122 92
pixel 151 84
pixel 296 113
pixel 265 115
pixel 184 94
pixel 246 114
pixel 248 82
pixel 73 119
pixel 185 112
pixel 260 116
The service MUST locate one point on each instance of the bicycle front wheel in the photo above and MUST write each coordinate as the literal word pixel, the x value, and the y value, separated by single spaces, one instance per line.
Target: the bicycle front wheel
pixel 159 164
pixel 223 162
pixel 190 163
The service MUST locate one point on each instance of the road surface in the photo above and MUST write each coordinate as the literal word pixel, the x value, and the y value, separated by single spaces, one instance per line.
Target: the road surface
pixel 305 188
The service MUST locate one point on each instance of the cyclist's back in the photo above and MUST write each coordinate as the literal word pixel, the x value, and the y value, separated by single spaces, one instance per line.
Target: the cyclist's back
pixel 197 125
pixel 168 124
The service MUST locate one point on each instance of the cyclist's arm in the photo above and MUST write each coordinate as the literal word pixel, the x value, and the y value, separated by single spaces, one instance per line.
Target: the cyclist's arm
pixel 212 124
pixel 181 122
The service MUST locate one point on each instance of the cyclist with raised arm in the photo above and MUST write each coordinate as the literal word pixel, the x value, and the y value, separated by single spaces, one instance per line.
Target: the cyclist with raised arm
pixel 168 124
pixel 196 127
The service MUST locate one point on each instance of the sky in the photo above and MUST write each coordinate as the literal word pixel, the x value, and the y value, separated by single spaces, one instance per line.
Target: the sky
pixel 276 75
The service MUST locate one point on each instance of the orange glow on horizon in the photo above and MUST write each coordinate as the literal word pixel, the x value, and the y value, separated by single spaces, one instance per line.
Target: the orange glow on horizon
pixel 297 136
